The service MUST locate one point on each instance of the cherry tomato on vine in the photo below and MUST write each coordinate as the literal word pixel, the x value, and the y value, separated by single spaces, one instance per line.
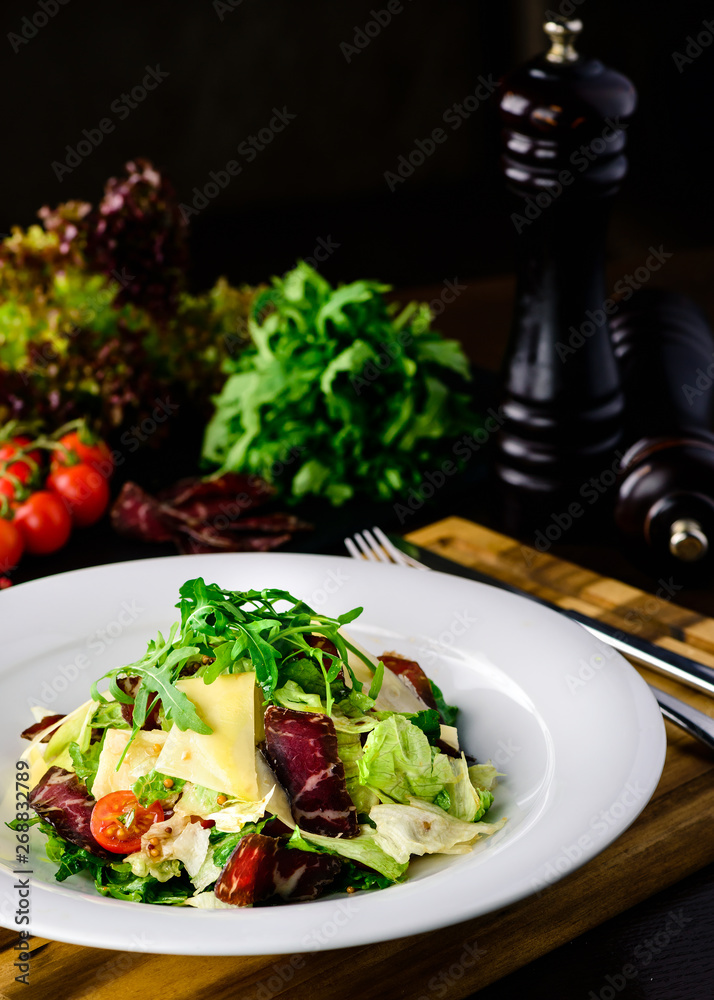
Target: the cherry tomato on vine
pixel 43 523
pixel 84 491
pixel 118 821
pixel 97 454
pixel 21 470
pixel 11 546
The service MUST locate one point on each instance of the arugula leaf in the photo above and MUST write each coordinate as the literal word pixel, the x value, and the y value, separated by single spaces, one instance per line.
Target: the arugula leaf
pixel 426 720
pixel 363 391
pixel 447 713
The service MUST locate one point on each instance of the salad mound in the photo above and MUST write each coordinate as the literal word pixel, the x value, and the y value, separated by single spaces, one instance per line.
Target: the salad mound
pixel 256 755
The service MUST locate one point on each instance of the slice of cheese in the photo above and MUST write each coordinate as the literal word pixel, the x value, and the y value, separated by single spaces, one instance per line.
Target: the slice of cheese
pixel 141 758
pixel 267 782
pixel 224 759
pixel 394 695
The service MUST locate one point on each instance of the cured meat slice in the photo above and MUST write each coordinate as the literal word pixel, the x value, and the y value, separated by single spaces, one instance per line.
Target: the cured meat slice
pixel 32 731
pixel 130 685
pixel 248 875
pixel 318 641
pixel 61 800
pixel 302 875
pixel 260 867
pixel 410 673
pixel 302 750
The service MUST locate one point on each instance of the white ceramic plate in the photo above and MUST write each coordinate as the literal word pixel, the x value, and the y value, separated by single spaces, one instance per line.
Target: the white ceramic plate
pixel 575 729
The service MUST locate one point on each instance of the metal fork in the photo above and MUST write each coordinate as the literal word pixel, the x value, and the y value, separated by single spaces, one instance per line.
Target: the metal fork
pixel 376 547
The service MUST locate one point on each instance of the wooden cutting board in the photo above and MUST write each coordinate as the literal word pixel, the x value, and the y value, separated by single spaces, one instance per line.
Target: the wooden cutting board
pixel 451 963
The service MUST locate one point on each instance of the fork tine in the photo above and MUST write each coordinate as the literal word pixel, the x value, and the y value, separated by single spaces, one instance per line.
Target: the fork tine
pixel 394 553
pixel 401 558
pixel 365 549
pixel 352 549
pixel 374 545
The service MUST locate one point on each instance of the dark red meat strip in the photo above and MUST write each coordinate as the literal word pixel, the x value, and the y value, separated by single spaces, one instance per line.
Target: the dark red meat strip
pixel 248 875
pixel 37 727
pixel 61 800
pixel 136 514
pixel 130 685
pixel 318 641
pixel 302 750
pixel 260 867
pixel 410 673
pixel 302 875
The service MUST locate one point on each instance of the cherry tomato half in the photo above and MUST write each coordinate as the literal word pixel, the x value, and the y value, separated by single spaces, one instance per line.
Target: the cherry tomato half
pixel 98 454
pixel 21 469
pixel 84 491
pixel 43 522
pixel 11 546
pixel 118 821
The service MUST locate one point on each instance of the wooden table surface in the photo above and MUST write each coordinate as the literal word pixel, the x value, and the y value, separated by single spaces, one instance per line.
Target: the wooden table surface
pixel 636 930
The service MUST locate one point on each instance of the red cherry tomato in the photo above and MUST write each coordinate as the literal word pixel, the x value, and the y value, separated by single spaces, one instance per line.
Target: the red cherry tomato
pixel 98 454
pixel 43 523
pixel 21 470
pixel 84 491
pixel 118 821
pixel 11 546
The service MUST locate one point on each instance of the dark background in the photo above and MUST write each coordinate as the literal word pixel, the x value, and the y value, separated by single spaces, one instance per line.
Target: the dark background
pixel 323 176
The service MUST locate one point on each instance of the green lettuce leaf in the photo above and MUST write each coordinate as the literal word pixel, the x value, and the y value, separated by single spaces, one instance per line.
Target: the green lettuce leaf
pixel 350 752
pixel 291 695
pixel 421 827
pixel 150 788
pixel 86 763
pixel 364 849
pixel 398 762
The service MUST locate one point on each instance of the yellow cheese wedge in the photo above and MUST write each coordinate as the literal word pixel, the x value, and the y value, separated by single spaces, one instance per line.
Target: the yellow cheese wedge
pixel 141 757
pixel 224 759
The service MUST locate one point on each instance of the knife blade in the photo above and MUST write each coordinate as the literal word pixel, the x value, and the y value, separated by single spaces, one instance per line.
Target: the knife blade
pixel 664 661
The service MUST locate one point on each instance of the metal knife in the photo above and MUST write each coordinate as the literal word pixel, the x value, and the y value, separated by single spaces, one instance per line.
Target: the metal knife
pixel 664 661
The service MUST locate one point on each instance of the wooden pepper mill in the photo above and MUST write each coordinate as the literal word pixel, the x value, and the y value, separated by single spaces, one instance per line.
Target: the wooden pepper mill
pixel 665 498
pixel 564 119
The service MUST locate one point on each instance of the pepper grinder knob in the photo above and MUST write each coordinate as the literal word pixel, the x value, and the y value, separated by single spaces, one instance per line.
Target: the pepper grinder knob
pixel 562 35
